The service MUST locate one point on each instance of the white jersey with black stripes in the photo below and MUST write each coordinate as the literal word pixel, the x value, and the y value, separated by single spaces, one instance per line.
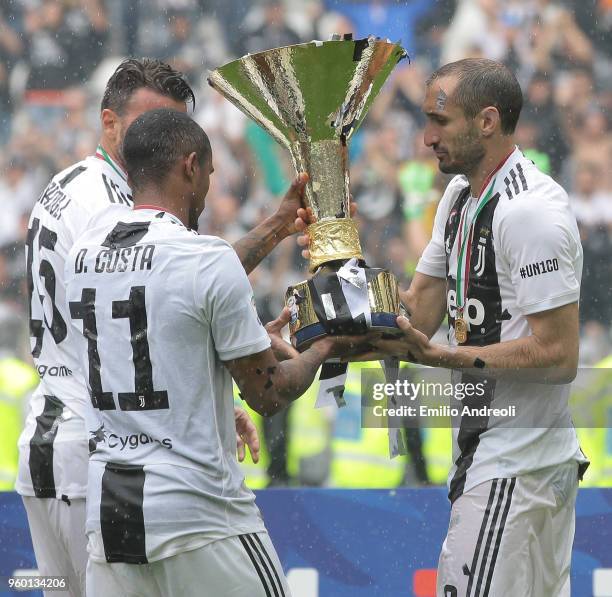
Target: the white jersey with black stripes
pixel 159 309
pixel 53 445
pixel 526 258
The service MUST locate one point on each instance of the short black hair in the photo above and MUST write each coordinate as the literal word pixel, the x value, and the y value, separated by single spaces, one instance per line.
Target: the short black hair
pixel 156 140
pixel 481 83
pixel 133 74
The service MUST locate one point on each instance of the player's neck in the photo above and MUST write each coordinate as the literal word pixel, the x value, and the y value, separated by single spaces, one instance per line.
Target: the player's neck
pixel 154 197
pixel 490 163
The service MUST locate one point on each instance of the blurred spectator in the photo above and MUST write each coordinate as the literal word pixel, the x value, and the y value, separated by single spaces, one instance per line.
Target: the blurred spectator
pixel 384 19
pixel 189 44
pixel 12 272
pixel 75 137
pixel 375 186
pixel 225 126
pixel 11 49
pixel 181 49
pixel 266 27
pixel 421 186
pixel 595 18
pixel 558 42
pixel 591 200
pixel 541 111
pixel 222 217
pixel 65 40
pixel 592 205
pixel 404 92
pixel 20 187
pixel 431 27
pixel 230 17
pixel 593 141
pixel 527 136
pixel 15 198
pixel 475 27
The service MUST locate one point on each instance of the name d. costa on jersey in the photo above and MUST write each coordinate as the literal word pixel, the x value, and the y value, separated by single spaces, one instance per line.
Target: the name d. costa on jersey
pixel 125 259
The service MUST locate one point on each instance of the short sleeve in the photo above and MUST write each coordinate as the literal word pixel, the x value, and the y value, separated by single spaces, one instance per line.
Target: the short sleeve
pixel 542 250
pixel 433 259
pixel 76 222
pixel 223 291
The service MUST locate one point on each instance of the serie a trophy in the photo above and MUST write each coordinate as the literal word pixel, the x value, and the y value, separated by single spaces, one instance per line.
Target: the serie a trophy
pixel 311 98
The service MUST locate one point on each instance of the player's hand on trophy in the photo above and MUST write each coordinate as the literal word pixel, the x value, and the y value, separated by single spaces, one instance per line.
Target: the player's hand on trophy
pixel 282 349
pixel 346 347
pixel 305 217
pixel 292 202
pixel 336 346
pixel 412 346
pixel 246 435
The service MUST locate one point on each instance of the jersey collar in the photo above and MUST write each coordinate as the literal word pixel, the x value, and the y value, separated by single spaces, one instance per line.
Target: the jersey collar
pixel 161 210
pixel 506 173
pixel 102 154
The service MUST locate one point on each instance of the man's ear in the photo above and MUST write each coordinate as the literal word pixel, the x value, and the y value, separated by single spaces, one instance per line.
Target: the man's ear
pixel 110 124
pixel 489 121
pixel 191 165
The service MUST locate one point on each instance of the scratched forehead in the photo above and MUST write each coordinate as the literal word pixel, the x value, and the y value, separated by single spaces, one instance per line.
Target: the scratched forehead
pixel 438 97
pixel 441 99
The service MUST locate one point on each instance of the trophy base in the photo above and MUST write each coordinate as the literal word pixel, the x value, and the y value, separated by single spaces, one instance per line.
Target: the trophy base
pixel 322 305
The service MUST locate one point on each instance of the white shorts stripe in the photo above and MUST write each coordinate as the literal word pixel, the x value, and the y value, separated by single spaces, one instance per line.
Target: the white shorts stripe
pixel 483 527
pixel 255 561
pixel 490 534
pixel 500 532
pixel 263 563
pixel 263 551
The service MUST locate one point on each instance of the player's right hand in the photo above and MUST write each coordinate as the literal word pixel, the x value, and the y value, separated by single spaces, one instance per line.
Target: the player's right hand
pixel 305 217
pixel 246 435
pixel 345 347
pixel 282 350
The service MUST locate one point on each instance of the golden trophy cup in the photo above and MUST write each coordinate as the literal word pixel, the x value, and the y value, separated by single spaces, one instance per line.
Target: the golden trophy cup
pixel 311 98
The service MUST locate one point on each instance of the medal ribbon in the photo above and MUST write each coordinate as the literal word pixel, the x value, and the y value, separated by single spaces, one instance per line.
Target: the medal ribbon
pixel 466 231
pixel 103 155
pixel 463 260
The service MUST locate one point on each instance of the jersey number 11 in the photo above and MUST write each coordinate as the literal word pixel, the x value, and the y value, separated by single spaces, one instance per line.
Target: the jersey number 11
pixel 145 397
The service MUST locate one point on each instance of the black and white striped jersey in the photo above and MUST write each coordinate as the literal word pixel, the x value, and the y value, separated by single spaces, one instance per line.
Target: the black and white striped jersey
pixel 53 445
pixel 159 309
pixel 526 258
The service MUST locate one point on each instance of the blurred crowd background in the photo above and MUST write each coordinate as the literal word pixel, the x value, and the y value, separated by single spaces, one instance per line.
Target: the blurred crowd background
pixel 56 56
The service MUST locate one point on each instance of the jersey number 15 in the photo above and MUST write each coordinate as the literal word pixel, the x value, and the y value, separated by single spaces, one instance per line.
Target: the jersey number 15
pixel 41 284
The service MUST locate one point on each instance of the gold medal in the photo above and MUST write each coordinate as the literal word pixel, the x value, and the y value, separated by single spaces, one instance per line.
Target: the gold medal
pixel 461 330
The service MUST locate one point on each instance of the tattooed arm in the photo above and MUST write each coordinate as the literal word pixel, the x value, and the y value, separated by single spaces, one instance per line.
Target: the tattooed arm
pixel 260 241
pixel 268 386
